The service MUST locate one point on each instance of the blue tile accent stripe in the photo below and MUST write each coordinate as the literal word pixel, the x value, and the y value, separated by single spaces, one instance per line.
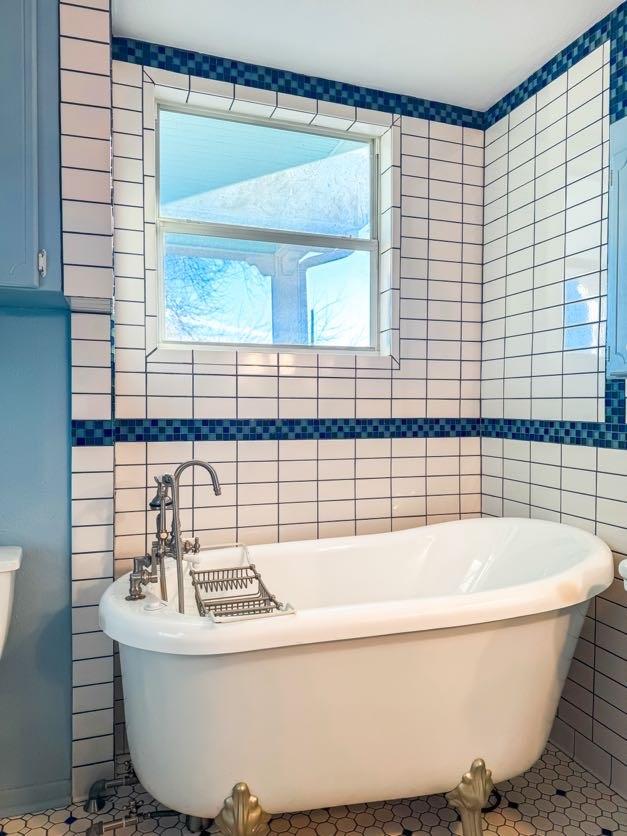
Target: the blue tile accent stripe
pixel 618 64
pixel 284 81
pixel 102 433
pixel 587 433
pixel 615 403
pixel 612 27
pixel 92 433
pixel 582 433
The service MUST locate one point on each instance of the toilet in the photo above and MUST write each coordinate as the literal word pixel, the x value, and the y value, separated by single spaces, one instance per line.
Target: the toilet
pixel 10 560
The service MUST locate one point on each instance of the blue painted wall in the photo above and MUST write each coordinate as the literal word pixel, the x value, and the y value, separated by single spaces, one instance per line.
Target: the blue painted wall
pixel 35 670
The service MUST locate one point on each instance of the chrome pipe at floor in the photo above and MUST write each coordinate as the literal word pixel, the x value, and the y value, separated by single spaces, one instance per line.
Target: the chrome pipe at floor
pixel 131 818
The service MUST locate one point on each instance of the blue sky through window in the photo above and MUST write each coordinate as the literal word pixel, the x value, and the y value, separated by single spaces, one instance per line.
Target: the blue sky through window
pixel 224 171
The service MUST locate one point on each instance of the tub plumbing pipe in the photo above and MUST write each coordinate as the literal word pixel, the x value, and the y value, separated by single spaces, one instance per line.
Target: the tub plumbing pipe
pixel 99 791
pixel 131 818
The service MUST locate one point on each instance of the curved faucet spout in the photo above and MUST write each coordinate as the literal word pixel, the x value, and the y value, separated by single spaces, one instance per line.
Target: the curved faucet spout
pixel 199 463
pixel 176 536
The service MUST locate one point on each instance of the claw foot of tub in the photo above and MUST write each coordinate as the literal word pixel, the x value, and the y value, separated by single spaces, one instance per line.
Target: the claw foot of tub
pixel 470 796
pixel 242 815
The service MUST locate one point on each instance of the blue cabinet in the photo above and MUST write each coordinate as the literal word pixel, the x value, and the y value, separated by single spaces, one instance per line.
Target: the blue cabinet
pixel 617 253
pixel 29 143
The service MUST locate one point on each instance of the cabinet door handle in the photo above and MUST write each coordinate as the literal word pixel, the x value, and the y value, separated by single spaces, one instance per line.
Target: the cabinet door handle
pixel 42 263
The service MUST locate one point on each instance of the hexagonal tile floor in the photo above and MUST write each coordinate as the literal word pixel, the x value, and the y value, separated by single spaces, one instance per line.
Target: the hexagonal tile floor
pixel 555 797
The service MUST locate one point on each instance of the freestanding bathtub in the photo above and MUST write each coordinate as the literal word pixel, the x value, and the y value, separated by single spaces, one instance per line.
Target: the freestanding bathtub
pixel 409 655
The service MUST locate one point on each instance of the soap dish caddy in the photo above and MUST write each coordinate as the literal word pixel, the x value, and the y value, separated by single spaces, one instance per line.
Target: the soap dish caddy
pixel 234 593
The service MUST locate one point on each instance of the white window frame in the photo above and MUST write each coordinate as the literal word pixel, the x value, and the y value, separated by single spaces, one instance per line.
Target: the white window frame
pixel 165 225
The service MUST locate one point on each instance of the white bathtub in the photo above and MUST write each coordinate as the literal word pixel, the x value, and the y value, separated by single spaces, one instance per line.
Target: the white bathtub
pixel 409 655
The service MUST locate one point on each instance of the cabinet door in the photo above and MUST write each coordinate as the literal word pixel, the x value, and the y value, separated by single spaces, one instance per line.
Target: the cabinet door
pixel 18 144
pixel 617 253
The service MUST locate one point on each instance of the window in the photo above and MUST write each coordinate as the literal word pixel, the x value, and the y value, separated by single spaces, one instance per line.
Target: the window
pixel 267 235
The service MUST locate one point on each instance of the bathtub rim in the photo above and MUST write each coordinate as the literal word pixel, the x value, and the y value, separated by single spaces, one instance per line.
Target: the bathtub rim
pixel 148 626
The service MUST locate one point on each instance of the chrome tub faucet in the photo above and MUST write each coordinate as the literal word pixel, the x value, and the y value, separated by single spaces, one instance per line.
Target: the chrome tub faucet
pixel 178 547
pixel 151 568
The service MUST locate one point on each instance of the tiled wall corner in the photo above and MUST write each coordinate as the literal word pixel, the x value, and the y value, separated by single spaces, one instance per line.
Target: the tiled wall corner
pixel 585 487
pixel 545 251
pixel 389 242
pixel 544 297
pixel 87 226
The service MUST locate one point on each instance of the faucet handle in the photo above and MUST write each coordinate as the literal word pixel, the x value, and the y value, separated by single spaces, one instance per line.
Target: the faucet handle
pixel 194 547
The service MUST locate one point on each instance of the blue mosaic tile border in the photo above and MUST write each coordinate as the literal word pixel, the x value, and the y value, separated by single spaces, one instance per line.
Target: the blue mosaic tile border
pixel 615 401
pixel 587 433
pixel 612 27
pixel 92 433
pixel 618 64
pixel 102 433
pixel 609 433
pixel 284 81
pixel 582 433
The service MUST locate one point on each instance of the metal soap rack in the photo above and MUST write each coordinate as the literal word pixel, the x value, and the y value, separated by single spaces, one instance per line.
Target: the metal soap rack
pixel 234 592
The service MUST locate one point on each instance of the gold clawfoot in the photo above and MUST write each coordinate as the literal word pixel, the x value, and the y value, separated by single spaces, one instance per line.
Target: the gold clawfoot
pixel 242 814
pixel 470 796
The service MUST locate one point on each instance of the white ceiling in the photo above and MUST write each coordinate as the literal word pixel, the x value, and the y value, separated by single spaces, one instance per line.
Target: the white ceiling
pixel 464 52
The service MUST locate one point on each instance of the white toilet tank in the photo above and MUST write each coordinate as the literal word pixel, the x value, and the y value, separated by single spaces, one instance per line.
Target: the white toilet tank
pixel 10 560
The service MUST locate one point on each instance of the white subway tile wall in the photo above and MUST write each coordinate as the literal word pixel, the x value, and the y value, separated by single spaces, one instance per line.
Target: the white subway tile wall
pixel 430 294
pixel 542 306
pixel 544 279
pixel 585 487
pixel 92 572
pixel 85 82
pixel 543 357
pixel 431 226
pixel 87 224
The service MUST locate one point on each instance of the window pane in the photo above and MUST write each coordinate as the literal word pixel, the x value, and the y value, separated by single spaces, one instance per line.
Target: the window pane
pixel 238 291
pixel 222 171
